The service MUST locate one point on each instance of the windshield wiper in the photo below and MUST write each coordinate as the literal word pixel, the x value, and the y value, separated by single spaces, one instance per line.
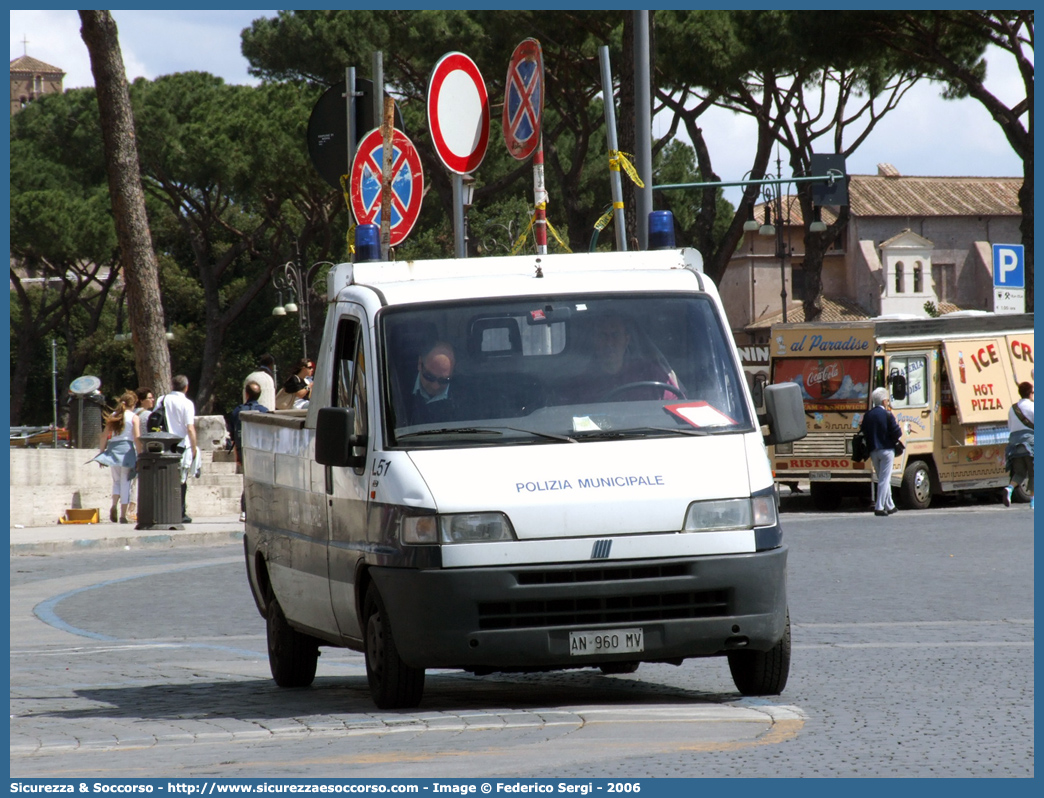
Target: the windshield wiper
pixel 641 432
pixel 487 431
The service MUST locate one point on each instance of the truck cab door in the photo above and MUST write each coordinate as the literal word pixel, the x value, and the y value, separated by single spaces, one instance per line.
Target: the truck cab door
pixel 914 410
pixel 346 488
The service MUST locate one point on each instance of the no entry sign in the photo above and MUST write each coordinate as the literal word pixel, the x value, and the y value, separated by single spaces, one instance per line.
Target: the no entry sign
pixel 458 113
pixel 407 183
pixel 524 100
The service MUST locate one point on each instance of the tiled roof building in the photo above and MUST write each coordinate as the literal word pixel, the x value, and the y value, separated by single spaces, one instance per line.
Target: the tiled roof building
pixel 31 78
pixel 909 240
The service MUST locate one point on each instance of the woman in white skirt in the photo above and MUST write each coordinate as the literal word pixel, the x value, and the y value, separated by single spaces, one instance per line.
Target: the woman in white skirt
pixel 120 442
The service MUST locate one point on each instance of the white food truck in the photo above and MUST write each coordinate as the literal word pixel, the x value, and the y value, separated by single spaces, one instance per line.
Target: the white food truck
pixel 582 482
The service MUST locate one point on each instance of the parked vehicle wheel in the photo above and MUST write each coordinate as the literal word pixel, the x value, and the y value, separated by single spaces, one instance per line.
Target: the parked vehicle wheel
pixel 611 668
pixel 916 490
pixel 393 683
pixel 826 497
pixel 292 655
pixel 762 672
pixel 1021 494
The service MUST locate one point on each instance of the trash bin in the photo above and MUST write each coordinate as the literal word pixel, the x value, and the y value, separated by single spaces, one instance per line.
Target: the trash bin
pixel 85 420
pixel 159 482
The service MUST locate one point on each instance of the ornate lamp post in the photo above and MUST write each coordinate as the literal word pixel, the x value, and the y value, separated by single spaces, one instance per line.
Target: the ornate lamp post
pixel 297 283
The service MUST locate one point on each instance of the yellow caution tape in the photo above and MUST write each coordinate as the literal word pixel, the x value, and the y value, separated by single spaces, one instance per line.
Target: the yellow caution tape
pixel 618 159
pixel 603 220
pixel 350 235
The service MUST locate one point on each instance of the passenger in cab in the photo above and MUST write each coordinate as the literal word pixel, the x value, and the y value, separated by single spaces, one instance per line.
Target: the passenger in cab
pixel 613 364
pixel 430 400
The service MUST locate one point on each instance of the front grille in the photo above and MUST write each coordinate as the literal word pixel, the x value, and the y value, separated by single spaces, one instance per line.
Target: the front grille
pixel 823 444
pixel 560 576
pixel 602 610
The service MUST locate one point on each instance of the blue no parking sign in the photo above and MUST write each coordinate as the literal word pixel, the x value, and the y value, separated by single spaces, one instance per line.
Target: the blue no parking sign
pixel 1009 266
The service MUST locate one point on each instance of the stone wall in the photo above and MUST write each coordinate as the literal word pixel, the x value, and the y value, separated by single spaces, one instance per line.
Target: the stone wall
pixel 47 482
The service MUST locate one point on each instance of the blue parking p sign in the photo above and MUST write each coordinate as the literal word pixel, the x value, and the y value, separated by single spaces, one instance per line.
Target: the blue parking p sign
pixel 1009 266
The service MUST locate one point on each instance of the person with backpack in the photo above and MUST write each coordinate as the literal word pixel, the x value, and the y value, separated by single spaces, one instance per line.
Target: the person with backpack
pixel 251 395
pixel 1018 455
pixel 176 413
pixel 882 433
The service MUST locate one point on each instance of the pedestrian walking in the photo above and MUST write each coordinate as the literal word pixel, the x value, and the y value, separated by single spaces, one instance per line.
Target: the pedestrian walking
pixel 882 433
pixel 181 421
pixel 119 446
pixel 1018 455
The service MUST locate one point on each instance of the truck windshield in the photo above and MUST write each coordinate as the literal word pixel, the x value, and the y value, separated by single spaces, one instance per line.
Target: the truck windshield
pixel 558 368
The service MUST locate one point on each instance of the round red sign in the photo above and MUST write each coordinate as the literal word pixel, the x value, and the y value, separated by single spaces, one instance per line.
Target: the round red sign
pixel 407 183
pixel 524 99
pixel 458 113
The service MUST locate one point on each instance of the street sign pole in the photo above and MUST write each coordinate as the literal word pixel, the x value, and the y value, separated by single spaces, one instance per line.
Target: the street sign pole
pixel 460 244
pixel 349 102
pixel 539 200
pixel 616 184
pixel 388 134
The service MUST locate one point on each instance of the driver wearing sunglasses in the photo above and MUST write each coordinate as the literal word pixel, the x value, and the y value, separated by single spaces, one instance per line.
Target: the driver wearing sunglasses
pixel 431 391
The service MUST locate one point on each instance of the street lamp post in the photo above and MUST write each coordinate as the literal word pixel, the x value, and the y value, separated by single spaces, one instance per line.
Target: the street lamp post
pixel 297 284
pixel 774 200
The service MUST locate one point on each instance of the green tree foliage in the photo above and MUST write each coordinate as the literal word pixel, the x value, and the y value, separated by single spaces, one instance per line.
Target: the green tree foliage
pixel 229 167
pixel 807 89
pixel 63 246
pixel 316 46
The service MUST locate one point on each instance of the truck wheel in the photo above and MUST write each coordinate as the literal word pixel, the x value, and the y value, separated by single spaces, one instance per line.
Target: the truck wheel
pixel 826 497
pixel 610 668
pixel 291 655
pixel 916 490
pixel 762 672
pixel 1021 494
pixel 393 683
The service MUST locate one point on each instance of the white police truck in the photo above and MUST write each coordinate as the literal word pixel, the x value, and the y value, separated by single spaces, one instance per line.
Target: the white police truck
pixel 583 482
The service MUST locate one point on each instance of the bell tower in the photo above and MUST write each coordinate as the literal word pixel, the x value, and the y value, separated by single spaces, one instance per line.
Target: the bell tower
pixel 31 78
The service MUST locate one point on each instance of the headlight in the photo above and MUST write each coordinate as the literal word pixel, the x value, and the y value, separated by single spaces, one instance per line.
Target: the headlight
pixel 720 514
pixel 731 514
pixel 461 528
pixel 475 528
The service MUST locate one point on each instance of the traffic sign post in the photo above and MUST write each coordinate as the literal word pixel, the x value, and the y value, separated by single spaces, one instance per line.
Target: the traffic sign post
pixel 458 118
pixel 406 178
pixel 523 115
pixel 458 113
pixel 328 140
pixel 1009 278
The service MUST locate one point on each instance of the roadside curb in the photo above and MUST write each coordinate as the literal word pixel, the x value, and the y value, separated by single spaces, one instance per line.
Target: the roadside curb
pixel 128 542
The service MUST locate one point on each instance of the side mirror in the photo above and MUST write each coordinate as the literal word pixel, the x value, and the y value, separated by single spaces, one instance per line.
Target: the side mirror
pixel 335 438
pixel 757 390
pixel 785 411
pixel 897 384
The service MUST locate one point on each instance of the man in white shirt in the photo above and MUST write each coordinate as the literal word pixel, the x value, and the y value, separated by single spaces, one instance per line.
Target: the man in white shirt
pixel 1018 456
pixel 181 421
pixel 265 377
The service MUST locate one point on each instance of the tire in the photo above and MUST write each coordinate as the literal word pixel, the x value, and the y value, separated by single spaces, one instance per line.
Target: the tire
pixel 826 497
pixel 762 672
pixel 612 668
pixel 292 656
pixel 1021 494
pixel 393 683
pixel 916 491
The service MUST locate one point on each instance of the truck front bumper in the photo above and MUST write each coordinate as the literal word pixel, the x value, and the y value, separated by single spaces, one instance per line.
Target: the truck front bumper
pixel 520 617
